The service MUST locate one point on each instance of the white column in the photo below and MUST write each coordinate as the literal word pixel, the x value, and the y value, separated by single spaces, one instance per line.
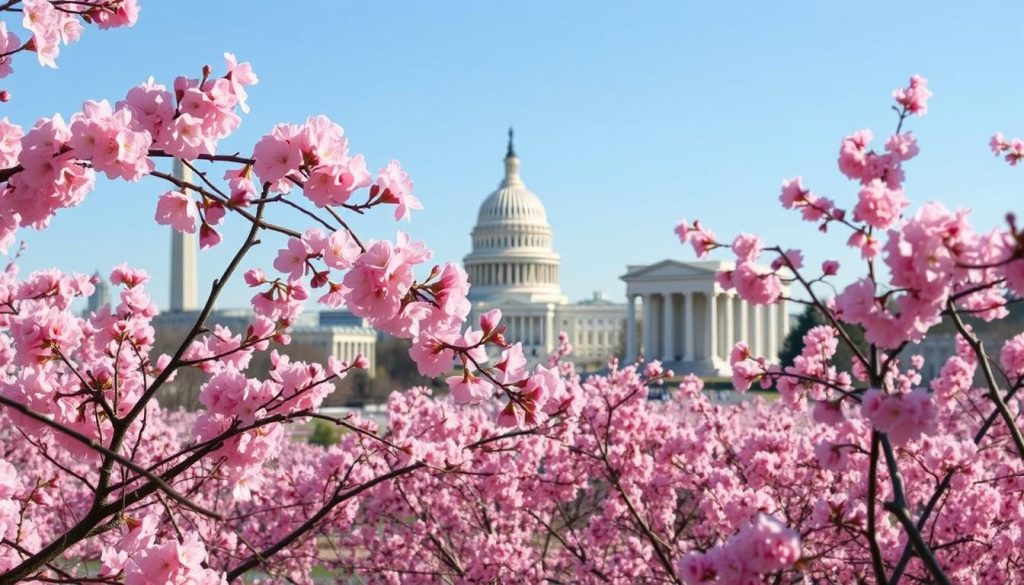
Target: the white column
pixel 529 331
pixel 783 320
pixel 630 328
pixel 549 333
pixel 742 312
pixel 184 278
pixel 688 328
pixel 712 325
pixel 668 330
pixel 756 342
pixel 730 328
pixel 773 332
pixel 648 326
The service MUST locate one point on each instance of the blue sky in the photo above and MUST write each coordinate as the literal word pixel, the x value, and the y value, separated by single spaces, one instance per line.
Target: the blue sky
pixel 628 116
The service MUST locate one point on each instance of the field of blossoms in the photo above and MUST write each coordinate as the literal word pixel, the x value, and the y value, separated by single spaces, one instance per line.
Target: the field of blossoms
pixel 862 471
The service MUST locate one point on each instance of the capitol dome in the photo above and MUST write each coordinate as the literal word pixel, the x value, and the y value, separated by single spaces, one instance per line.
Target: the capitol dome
pixel 512 255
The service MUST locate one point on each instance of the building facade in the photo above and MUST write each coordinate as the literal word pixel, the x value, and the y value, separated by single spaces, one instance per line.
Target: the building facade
pixel 337 333
pixel 513 267
pixel 691 323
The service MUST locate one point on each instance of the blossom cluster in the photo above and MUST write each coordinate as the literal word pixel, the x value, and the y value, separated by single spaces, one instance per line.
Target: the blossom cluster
pixel 528 473
pixel 51 24
pixel 762 547
pixel 57 161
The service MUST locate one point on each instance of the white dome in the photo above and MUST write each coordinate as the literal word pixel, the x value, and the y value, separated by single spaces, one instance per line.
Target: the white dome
pixel 512 257
pixel 512 202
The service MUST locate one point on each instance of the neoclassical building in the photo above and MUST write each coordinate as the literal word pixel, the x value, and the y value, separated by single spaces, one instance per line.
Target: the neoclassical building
pixel 513 267
pixel 690 322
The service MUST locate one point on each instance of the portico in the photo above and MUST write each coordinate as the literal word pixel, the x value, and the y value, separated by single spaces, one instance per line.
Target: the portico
pixel 690 322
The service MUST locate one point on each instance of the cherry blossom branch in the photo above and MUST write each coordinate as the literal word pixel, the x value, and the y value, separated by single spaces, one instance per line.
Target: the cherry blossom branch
pixel 822 308
pixel 898 507
pixel 994 393
pixel 309 524
pixel 160 483
pixel 872 530
pixel 252 218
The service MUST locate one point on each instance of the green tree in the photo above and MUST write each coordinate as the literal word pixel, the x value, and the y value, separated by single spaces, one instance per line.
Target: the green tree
pixel 794 342
pixel 324 433
pixel 809 319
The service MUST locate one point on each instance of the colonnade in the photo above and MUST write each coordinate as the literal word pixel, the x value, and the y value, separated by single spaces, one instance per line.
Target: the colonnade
pixel 530 330
pixel 348 350
pixel 703 325
pixel 507 273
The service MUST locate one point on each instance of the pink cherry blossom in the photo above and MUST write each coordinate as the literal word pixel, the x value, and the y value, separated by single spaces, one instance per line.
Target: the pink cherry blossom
pixel 915 96
pixel 177 210
pixel 396 188
pixel 878 205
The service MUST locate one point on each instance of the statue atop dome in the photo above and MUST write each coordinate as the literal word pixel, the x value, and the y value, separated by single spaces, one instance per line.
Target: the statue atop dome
pixel 511 150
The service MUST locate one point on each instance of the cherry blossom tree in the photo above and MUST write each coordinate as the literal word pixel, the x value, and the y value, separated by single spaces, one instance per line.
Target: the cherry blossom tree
pixel 862 472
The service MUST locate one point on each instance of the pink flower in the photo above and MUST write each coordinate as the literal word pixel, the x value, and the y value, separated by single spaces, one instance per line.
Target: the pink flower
pixel 702 240
pixel 1012 356
pixel 8 43
pixel 276 156
pixel 914 97
pixel 853 154
pixel 998 143
pixel 361 362
pixel 111 15
pixel 857 301
pixel 255 277
pixel 208 237
pixel 903 146
pixel 489 321
pixel 683 231
pixel 432 355
pixel 341 250
pixel 869 245
pixel 829 268
pixel 1015 151
pixel 468 389
pixel 811 206
pixel 333 184
pixel 691 386
pixel 755 287
pixel 878 205
pixel 396 188
pixel 724 278
pixel 377 282
pixel 177 210
pixel 903 417
pixel 793 193
pixel 512 366
pixel 745 373
pixel 45 23
pixel 768 545
pixel 291 260
pixel 828 412
pixel 792 259
pixel 152 110
pixel 747 247
pixel 240 75
pixel 10 141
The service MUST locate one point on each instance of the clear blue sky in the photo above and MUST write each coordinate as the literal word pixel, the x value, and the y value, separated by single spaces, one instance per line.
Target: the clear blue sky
pixel 628 116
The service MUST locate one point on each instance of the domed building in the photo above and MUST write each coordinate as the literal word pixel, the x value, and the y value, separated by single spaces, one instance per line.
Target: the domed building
pixel 513 267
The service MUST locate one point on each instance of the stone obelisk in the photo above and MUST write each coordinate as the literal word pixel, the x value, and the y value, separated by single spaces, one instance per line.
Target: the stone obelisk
pixel 183 258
